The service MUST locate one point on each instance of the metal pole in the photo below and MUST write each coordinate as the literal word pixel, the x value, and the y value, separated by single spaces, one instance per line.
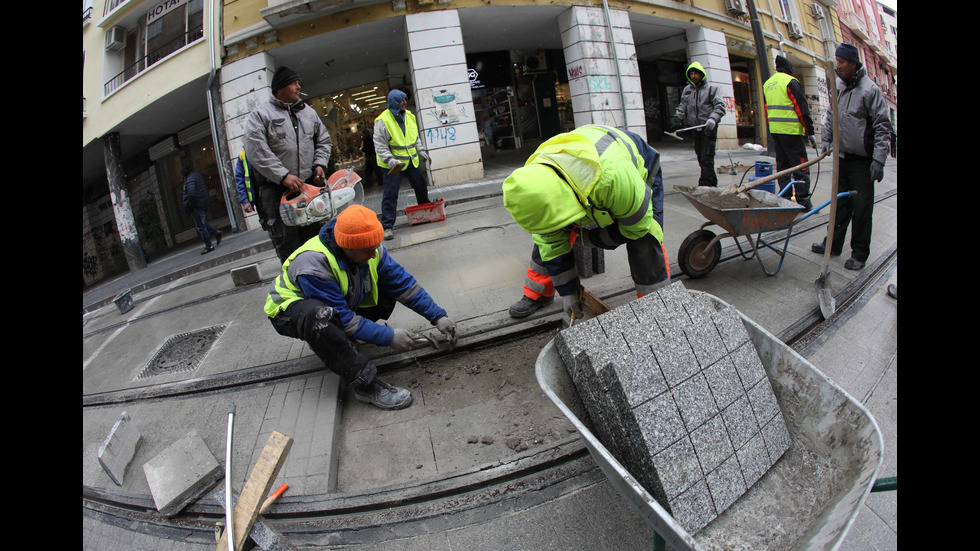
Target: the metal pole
pixel 229 517
pixel 612 44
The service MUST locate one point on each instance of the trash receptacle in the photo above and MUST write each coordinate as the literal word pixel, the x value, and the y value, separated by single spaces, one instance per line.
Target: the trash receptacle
pixel 124 301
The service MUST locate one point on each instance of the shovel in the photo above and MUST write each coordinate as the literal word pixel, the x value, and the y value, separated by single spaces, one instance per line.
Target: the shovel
pixel 824 293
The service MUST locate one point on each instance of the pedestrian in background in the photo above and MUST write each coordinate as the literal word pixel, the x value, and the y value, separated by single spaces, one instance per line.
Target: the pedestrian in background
pixel 371 169
pixel 398 146
pixel 288 145
pixel 335 288
pixel 789 123
pixel 196 203
pixel 702 103
pixel 243 181
pixel 865 134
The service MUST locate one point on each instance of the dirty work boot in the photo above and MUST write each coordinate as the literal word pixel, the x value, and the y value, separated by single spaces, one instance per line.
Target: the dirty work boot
pixel 527 306
pixel 389 235
pixel 819 248
pixel 383 395
pixel 217 239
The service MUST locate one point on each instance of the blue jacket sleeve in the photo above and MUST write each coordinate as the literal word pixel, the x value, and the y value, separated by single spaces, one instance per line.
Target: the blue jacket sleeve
pixel 240 181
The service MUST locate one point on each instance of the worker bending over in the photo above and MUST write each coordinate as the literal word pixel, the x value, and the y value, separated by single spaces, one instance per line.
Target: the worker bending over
pixel 592 175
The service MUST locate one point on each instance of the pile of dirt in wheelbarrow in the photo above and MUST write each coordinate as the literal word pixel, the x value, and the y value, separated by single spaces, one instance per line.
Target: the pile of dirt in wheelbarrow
pixel 713 198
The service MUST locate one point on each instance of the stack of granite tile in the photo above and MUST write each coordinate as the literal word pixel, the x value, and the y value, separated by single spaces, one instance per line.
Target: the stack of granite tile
pixel 676 391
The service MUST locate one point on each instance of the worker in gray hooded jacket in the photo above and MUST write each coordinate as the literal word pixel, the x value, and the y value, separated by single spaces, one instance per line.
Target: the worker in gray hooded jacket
pixel 865 134
pixel 702 103
pixel 288 145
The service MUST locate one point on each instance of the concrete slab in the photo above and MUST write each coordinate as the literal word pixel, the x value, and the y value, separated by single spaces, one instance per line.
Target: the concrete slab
pixel 181 473
pixel 119 448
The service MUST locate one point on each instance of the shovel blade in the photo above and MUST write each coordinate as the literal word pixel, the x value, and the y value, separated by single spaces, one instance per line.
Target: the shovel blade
pixel 825 296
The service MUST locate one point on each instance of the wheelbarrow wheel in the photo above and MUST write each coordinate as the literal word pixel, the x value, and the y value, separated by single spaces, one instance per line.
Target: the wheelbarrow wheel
pixel 690 258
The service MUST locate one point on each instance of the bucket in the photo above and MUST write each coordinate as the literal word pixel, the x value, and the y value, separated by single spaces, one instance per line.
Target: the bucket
pixel 124 301
pixel 426 212
pixel 762 168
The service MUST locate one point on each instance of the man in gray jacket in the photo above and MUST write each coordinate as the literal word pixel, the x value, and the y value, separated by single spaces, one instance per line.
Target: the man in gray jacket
pixel 288 145
pixel 865 134
pixel 701 103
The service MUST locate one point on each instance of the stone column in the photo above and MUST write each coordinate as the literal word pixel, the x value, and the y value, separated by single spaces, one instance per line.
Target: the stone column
pixel 598 91
pixel 244 84
pixel 119 195
pixel 443 100
pixel 709 48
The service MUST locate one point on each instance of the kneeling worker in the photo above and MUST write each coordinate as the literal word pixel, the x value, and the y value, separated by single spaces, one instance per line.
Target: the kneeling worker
pixel 593 174
pixel 332 291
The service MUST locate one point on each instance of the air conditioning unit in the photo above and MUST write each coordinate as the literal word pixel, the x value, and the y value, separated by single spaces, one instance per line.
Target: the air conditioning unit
pixel 115 39
pixel 795 32
pixel 736 7
pixel 817 11
pixel 535 63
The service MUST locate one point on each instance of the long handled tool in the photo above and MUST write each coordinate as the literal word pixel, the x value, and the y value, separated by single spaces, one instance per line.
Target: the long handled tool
pixel 741 189
pixel 591 302
pixel 675 132
pixel 228 509
pixel 824 293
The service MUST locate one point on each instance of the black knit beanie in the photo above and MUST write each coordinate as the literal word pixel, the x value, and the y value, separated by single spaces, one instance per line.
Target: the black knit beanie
pixel 284 76
pixel 849 52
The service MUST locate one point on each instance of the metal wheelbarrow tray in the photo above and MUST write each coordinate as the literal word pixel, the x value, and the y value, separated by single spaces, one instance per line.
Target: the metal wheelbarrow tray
pixel 810 496
pixel 700 252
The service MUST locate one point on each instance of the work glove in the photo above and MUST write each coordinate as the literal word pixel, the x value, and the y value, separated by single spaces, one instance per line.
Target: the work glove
pixel 877 171
pixel 709 125
pixel 424 156
pixel 446 326
pixel 813 141
pixel 402 340
pixel 572 303
pixel 675 122
pixel 826 149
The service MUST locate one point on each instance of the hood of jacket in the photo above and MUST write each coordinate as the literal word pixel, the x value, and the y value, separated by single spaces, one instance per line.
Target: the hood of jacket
pixel 784 65
pixel 539 200
pixel 697 67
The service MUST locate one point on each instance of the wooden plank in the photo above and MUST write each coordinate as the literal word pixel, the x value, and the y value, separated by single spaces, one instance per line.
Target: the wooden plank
pixel 594 303
pixel 256 488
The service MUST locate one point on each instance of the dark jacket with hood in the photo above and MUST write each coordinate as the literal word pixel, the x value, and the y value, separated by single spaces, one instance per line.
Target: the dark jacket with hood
pixel 699 102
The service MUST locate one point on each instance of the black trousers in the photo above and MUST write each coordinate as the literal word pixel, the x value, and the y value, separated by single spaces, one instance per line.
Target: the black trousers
pixel 855 211
pixel 704 147
pixel 791 151
pixel 316 324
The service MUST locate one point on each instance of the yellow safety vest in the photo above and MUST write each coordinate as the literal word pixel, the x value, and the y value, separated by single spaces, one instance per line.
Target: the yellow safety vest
pixel 401 144
pixel 286 289
pixel 248 178
pixel 779 108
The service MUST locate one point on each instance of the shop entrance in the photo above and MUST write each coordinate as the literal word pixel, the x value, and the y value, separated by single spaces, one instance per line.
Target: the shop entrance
pixel 747 111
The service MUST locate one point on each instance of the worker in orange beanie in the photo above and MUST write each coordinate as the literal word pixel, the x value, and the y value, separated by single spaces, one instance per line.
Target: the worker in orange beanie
pixel 335 288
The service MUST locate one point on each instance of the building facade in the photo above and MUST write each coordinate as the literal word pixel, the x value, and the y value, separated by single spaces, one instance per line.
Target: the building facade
pixel 481 78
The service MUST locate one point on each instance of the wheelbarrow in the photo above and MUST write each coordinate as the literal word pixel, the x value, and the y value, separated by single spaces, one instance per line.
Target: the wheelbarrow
pixel 813 508
pixel 742 215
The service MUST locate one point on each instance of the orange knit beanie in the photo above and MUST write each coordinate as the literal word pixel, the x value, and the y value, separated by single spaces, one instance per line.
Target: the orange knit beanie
pixel 358 228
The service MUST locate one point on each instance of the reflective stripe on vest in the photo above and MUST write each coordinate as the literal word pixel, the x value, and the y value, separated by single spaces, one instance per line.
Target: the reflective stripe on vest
pixel 286 291
pixel 401 144
pixel 780 110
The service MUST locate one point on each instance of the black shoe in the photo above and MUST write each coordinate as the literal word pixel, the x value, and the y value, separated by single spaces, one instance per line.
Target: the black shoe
pixel 526 306
pixel 853 264
pixel 207 250
pixel 819 248
pixel 893 291
pixel 217 239
pixel 383 395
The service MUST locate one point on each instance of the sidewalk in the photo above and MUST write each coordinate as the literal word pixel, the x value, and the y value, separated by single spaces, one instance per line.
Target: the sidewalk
pixel 473 264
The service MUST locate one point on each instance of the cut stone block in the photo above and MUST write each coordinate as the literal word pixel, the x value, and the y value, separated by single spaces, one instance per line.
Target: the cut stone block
pixel 119 448
pixel 246 275
pixel 183 472
pixel 677 392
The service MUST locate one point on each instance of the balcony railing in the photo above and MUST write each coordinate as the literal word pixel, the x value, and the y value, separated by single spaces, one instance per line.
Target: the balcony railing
pixel 149 59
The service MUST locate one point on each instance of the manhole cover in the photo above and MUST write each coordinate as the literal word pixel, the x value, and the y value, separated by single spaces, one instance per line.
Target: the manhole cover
pixel 182 353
